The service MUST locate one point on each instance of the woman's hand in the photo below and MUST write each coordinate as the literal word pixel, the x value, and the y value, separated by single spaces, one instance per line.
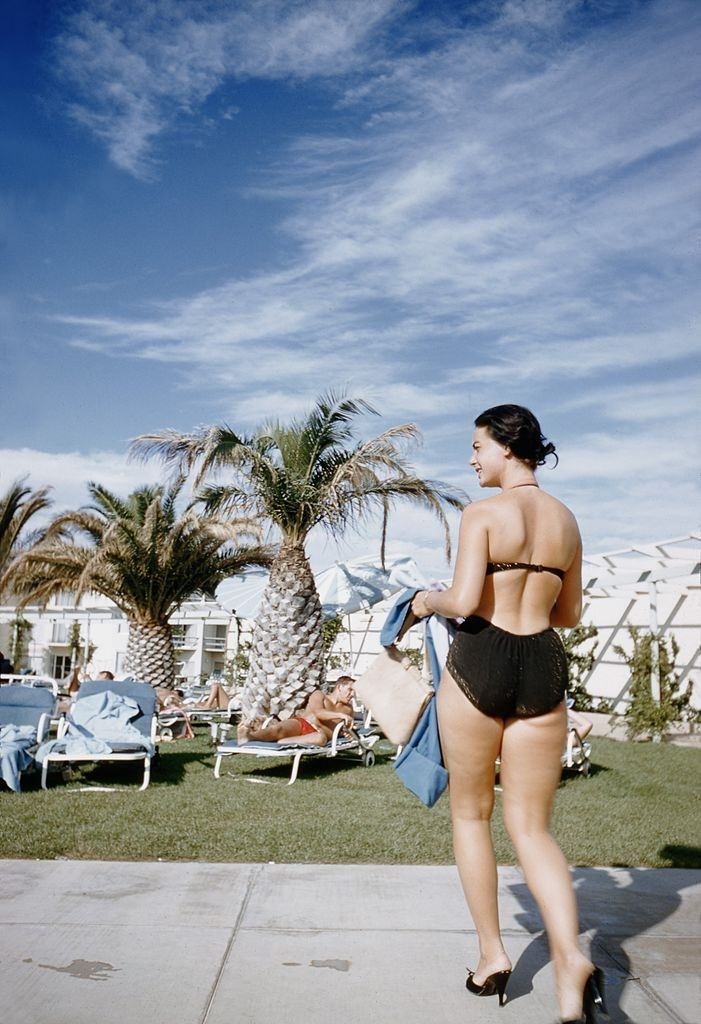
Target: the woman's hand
pixel 419 606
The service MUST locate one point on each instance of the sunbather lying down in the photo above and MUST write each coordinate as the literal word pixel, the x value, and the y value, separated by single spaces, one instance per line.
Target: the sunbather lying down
pixel 313 725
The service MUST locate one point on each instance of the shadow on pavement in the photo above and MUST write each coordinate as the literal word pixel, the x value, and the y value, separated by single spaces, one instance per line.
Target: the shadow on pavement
pixel 611 913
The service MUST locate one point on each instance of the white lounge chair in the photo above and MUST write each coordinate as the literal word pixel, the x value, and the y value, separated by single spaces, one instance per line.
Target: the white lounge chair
pixel 47 682
pixel 358 744
pixel 145 722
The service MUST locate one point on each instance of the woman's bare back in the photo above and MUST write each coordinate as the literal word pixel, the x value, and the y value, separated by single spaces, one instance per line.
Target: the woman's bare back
pixel 528 525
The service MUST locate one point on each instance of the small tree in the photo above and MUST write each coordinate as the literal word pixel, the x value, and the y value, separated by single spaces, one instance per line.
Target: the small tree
pixel 579 663
pixel 76 643
pixel 645 716
pixel 21 631
pixel 331 629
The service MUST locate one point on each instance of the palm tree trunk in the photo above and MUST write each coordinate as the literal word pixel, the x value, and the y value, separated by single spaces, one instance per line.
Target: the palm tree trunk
pixel 150 655
pixel 287 649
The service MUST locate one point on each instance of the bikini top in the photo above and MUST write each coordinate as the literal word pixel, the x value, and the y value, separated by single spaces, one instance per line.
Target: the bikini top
pixel 493 567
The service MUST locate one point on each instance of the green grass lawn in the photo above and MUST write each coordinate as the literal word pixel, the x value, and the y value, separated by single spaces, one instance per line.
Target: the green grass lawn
pixel 639 807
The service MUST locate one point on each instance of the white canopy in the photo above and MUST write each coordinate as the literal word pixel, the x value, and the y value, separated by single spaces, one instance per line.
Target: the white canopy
pixel 670 565
pixel 344 587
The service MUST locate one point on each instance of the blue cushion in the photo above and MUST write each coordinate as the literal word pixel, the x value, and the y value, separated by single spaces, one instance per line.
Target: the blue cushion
pixel 24 705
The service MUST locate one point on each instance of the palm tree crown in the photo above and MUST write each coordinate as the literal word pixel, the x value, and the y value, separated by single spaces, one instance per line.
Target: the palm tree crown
pixel 306 473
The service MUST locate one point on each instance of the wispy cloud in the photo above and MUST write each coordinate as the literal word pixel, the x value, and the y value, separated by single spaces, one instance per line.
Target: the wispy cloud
pixel 138 67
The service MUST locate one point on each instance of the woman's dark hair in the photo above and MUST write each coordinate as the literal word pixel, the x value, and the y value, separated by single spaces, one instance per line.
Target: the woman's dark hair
pixel 516 428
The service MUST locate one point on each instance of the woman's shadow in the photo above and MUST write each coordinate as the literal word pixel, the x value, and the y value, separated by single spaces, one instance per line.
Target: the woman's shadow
pixel 614 906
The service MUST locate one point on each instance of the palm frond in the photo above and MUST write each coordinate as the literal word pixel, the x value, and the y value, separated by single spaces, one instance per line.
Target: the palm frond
pixel 304 473
pixel 18 506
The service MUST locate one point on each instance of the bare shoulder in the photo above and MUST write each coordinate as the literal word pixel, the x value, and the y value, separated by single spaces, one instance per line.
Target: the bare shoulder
pixel 559 506
pixel 477 511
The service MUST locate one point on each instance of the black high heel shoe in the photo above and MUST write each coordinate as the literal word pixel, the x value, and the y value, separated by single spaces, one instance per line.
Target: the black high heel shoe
pixel 494 985
pixel 593 1002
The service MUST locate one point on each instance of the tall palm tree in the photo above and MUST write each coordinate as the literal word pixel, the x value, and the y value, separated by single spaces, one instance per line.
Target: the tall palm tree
pixel 309 472
pixel 18 505
pixel 143 555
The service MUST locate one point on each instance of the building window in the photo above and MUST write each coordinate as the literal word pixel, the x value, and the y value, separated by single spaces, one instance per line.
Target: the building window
pixel 215 637
pixel 59 632
pixel 60 666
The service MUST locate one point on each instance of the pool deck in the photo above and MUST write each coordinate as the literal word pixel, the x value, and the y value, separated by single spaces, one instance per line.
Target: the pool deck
pixel 117 942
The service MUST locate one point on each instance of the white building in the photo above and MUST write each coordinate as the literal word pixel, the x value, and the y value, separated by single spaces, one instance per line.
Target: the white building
pixel 204 634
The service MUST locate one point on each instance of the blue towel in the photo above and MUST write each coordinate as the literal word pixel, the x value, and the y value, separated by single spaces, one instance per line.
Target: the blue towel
pixel 98 724
pixel 15 744
pixel 420 764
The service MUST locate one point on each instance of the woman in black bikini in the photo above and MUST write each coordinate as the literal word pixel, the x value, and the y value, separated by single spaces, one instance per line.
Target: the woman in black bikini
pixel 517 575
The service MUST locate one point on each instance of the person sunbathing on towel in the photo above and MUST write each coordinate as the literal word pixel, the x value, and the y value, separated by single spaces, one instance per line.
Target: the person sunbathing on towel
pixel 313 725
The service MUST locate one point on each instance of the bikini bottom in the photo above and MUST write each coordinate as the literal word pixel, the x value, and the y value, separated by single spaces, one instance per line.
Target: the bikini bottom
pixel 508 675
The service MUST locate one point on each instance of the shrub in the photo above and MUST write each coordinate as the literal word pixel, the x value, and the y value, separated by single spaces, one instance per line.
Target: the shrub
pixel 331 630
pixel 21 631
pixel 579 663
pixel 644 716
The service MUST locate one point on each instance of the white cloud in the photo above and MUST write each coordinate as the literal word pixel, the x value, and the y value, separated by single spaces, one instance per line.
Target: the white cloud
pixel 67 473
pixel 139 67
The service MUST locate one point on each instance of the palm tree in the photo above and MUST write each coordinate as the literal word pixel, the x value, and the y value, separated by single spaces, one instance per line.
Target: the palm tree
pixel 18 505
pixel 309 472
pixel 142 555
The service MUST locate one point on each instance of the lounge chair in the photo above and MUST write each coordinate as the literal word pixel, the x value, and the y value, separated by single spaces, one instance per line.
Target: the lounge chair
pixel 81 741
pixel 46 682
pixel 359 744
pixel 25 719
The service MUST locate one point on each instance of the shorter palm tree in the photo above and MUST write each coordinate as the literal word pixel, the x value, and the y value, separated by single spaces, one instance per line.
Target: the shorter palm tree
pixel 143 555
pixel 18 506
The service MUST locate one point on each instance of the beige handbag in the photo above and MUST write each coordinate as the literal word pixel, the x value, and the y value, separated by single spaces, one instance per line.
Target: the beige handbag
pixel 395 691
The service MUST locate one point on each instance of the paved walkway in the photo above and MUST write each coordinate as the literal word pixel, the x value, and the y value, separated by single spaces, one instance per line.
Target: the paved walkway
pixel 83 942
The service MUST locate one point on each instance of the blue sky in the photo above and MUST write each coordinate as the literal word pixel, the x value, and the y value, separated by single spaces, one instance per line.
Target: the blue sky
pixel 214 211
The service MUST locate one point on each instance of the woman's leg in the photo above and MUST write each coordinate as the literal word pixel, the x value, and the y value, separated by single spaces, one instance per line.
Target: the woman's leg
pixel 530 772
pixel 219 697
pixel 470 742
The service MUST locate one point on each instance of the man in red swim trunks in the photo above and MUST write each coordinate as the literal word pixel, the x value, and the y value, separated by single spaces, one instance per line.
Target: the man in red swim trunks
pixel 314 724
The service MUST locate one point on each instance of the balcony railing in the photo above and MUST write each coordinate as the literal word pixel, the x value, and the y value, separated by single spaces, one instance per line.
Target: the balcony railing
pixel 215 643
pixel 183 640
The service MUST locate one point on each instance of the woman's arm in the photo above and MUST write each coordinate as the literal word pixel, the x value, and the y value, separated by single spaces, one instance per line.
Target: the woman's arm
pixel 568 608
pixel 462 598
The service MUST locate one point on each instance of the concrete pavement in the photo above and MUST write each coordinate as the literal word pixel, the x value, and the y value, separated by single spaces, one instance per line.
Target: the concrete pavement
pixel 88 942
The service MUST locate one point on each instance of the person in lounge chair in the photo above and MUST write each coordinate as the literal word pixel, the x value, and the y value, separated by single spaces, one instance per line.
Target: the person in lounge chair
pixel 313 724
pixel 218 699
